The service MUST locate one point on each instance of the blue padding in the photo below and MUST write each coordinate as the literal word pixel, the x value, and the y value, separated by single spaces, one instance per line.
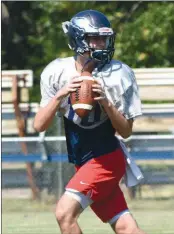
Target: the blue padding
pixel 33 158
pixel 8 116
pixel 152 155
pixel 140 155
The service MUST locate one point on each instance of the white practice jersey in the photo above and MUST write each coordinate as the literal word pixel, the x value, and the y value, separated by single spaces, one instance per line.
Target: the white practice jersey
pixel 117 79
pixel 93 135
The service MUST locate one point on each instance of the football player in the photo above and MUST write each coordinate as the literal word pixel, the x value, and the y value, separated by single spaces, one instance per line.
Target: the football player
pixel 91 142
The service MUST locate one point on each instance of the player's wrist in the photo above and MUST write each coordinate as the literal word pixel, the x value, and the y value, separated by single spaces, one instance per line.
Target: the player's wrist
pixel 105 102
pixel 59 96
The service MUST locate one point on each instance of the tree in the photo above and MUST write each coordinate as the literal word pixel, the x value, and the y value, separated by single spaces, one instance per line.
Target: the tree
pixel 144 38
pixel 5 25
pixel 148 36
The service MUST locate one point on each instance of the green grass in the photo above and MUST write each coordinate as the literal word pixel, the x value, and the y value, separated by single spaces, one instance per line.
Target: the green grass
pixel 28 217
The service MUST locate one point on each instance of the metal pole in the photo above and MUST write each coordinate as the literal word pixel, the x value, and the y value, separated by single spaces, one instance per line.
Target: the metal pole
pixel 59 174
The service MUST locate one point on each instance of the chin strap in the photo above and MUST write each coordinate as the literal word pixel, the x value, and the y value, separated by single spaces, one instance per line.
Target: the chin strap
pixel 87 61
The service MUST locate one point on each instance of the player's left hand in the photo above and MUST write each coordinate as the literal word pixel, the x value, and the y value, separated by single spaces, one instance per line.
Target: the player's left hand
pixel 97 88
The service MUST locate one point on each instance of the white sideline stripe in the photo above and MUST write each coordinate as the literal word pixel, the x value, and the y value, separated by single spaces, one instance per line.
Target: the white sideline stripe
pixel 87 78
pixel 82 106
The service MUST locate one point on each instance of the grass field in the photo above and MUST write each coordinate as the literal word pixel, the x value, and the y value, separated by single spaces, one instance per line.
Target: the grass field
pixel 28 217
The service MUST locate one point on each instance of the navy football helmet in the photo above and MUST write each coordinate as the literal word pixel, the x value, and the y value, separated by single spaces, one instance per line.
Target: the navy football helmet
pixel 90 23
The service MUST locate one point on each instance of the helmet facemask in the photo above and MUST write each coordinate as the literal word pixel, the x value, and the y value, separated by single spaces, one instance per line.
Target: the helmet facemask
pixel 102 54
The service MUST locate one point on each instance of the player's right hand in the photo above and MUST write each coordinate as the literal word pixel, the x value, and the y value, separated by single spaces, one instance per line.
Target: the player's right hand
pixel 70 86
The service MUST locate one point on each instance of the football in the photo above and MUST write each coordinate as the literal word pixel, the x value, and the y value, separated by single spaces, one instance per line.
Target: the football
pixel 82 99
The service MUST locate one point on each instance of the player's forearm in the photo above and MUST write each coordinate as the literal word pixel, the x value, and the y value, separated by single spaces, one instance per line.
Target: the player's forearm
pixel 119 122
pixel 46 114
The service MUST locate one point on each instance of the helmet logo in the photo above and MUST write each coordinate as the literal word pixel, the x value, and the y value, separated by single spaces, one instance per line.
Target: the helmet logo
pixel 105 30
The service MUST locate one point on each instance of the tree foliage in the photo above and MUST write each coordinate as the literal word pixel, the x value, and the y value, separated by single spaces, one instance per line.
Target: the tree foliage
pixel 35 37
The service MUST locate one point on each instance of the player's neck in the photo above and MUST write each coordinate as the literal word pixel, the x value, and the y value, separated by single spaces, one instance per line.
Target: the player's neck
pixel 81 61
pixel 79 66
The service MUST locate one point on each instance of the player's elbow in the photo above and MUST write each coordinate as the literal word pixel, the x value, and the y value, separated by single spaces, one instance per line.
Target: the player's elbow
pixel 127 133
pixel 39 128
pixel 38 125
